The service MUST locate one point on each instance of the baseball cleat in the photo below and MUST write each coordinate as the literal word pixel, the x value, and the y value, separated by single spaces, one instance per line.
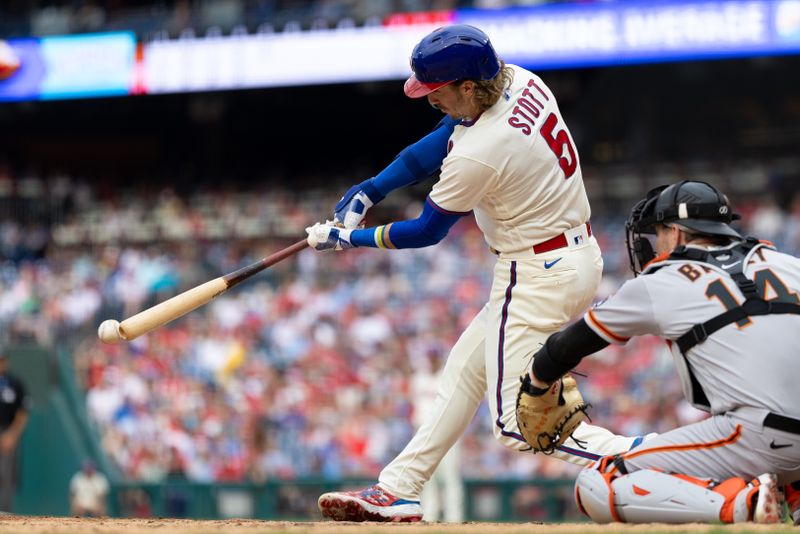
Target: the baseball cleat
pixel 371 504
pixel 769 503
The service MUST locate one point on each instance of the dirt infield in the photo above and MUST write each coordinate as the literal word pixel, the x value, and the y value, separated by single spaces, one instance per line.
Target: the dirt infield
pixel 67 525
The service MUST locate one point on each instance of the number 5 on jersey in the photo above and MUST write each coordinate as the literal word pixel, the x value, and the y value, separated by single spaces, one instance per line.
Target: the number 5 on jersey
pixel 559 142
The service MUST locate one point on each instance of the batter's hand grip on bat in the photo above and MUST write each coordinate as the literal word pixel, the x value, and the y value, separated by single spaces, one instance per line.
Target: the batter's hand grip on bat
pixel 171 309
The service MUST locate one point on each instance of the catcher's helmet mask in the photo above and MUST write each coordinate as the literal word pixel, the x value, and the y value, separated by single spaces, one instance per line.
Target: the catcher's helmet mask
pixel 694 206
pixel 449 54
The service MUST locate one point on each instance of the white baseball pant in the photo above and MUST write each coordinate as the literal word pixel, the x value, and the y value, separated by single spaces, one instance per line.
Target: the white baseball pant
pixel 532 296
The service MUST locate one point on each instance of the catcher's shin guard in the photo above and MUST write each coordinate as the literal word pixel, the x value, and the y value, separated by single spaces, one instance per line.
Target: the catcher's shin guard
pixel 648 496
pixel 595 496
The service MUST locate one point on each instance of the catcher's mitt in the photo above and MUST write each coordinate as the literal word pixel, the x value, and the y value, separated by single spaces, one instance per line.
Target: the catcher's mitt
pixel 547 417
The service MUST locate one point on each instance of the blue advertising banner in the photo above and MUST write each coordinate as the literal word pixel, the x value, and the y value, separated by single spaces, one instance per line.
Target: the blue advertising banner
pixel 70 67
pixel 565 36
pixel 24 81
pixel 88 65
pixel 541 37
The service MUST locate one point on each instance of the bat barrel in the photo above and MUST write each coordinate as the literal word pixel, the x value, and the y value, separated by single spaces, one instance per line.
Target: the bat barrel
pixel 171 309
pixel 180 305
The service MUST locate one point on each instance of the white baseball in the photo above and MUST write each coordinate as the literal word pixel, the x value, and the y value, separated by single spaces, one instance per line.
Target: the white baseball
pixel 108 331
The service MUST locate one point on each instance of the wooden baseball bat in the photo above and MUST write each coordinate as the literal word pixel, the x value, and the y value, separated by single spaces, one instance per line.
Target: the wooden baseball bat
pixel 181 304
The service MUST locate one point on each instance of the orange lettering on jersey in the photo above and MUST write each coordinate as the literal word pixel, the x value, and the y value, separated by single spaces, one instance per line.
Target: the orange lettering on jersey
pixel 689 272
pixel 771 287
pixel 760 253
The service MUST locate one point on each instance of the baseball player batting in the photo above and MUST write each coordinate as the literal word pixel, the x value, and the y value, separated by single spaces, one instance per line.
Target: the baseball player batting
pixel 727 308
pixel 507 157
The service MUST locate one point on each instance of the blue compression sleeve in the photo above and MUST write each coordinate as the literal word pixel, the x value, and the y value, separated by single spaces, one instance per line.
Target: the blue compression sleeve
pixel 415 163
pixel 428 229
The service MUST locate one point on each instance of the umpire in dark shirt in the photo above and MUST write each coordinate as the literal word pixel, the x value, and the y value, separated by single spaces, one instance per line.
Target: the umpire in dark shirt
pixel 13 417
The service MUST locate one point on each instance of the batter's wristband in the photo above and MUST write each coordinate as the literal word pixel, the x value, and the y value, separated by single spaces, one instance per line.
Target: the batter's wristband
pixel 382 236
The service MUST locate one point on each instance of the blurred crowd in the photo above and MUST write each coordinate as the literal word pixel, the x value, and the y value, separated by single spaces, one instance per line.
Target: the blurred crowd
pixel 175 17
pixel 307 369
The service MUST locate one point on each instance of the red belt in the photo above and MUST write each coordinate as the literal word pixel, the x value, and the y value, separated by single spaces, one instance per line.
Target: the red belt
pixel 556 242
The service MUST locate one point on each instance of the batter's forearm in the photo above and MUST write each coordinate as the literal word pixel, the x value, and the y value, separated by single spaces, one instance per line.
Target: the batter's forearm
pixel 564 350
pixel 403 234
pixel 428 229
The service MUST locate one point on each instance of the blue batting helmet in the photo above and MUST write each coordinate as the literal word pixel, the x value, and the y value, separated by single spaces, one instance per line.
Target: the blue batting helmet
pixel 451 53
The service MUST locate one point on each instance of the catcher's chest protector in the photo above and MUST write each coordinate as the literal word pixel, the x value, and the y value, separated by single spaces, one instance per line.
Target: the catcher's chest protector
pixel 731 260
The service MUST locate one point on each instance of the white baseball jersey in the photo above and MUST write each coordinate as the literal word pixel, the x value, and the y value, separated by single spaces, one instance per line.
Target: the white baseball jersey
pixel 517 168
pixel 753 363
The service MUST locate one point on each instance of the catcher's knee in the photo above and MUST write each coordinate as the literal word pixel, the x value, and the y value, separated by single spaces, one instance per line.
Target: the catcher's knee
pixel 650 496
pixel 595 496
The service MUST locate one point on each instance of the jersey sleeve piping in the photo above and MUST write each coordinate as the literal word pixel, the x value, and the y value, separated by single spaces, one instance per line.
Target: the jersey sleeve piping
pixel 603 331
pixel 440 209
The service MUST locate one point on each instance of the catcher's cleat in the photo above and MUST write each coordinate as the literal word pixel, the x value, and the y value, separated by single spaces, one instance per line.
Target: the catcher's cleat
pixel 769 503
pixel 371 504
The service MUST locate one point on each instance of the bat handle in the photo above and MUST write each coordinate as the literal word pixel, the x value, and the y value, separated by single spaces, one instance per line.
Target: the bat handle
pixel 246 272
pixel 272 259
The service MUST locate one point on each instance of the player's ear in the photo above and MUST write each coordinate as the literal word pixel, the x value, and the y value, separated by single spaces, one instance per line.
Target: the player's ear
pixel 680 237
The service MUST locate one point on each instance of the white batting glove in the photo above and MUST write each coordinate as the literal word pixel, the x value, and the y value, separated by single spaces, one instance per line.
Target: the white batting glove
pixel 352 207
pixel 327 236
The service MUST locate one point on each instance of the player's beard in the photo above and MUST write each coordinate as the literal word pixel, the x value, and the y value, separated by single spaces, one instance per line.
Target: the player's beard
pixel 446 111
pixel 453 108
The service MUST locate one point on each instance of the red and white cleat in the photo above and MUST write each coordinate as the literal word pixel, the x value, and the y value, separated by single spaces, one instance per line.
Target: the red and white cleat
pixel 769 503
pixel 371 504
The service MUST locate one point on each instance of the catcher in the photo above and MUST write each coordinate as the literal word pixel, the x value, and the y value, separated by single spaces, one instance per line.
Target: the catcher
pixel 727 308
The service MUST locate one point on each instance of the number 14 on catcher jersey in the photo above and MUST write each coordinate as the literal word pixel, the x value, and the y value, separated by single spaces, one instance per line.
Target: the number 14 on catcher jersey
pixel 760 369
